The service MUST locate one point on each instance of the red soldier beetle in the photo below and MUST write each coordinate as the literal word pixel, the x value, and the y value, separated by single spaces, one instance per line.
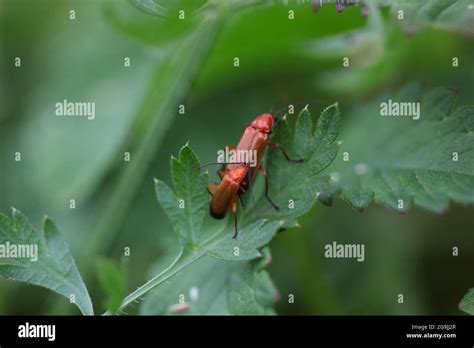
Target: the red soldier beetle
pixel 237 177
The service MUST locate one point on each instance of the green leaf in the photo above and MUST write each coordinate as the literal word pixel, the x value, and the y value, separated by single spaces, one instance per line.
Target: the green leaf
pixel 453 15
pixel 187 205
pixel 294 187
pixel 50 266
pixel 202 287
pixel 251 293
pixel 112 281
pixel 467 302
pixel 214 287
pixel 399 161
pixel 248 243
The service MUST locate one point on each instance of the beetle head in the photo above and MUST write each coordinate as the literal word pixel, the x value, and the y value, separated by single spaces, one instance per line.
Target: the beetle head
pixel 263 123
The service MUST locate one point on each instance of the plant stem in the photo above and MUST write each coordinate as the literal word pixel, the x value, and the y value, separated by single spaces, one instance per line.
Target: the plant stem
pixel 175 78
pixel 152 283
pixel 185 258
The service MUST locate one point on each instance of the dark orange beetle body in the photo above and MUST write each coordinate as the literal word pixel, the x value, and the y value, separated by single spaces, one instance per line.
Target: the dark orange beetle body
pixel 236 178
pixel 226 193
pixel 256 137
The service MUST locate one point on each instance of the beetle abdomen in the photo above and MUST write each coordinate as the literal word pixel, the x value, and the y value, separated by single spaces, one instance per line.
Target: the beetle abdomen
pixel 216 214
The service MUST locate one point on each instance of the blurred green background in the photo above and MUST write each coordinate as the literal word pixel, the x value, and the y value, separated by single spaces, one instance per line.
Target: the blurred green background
pixel 282 61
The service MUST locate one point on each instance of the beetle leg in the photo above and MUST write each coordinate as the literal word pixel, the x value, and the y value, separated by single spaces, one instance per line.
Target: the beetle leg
pixel 264 173
pixel 275 145
pixel 242 190
pixel 234 211
pixel 241 201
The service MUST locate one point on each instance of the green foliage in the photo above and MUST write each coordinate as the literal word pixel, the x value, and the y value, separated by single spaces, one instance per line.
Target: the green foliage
pixel 54 268
pixel 169 72
pixel 377 50
pixel 190 186
pixel 252 293
pixel 467 302
pixel 187 205
pixel 250 240
pixel 443 14
pixel 182 63
pixel 159 22
pixel 215 287
pixel 154 22
pixel 168 8
pixel 169 85
pixel 112 281
pixel 406 159
pixel 106 134
pixel 300 183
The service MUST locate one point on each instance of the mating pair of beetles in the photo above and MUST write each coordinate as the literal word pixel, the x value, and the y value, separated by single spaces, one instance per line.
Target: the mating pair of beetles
pixel 236 177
